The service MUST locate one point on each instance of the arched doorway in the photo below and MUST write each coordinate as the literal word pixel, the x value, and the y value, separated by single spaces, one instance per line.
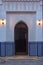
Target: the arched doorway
pixel 21 38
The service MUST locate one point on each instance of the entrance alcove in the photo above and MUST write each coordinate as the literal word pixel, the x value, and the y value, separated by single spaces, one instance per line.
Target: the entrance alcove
pixel 21 38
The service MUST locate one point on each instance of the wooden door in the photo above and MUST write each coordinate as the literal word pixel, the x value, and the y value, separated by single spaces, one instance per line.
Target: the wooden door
pixel 21 40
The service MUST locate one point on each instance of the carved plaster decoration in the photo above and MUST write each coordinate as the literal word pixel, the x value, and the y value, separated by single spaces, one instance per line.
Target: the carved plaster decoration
pixel 21 6
pixel 19 0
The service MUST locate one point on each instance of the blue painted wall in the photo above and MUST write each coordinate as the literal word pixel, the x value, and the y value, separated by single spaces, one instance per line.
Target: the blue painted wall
pixel 42 49
pixel 39 48
pixel 0 48
pixel 9 49
pixel 3 50
pixel 34 49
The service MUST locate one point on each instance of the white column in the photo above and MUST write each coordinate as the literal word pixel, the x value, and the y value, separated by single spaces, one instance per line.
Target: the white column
pixel 39 19
pixel 42 21
pixel 2 27
pixel 0 1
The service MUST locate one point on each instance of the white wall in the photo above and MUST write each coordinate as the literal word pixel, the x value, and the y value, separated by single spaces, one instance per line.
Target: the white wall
pixel 2 28
pixel 28 18
pixel 39 28
pixel 14 18
pixel 42 21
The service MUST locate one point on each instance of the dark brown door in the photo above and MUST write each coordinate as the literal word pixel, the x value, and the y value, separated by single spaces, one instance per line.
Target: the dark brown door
pixel 21 40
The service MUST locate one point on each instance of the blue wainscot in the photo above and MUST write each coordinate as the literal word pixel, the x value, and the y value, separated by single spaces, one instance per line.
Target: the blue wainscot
pixel 8 49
